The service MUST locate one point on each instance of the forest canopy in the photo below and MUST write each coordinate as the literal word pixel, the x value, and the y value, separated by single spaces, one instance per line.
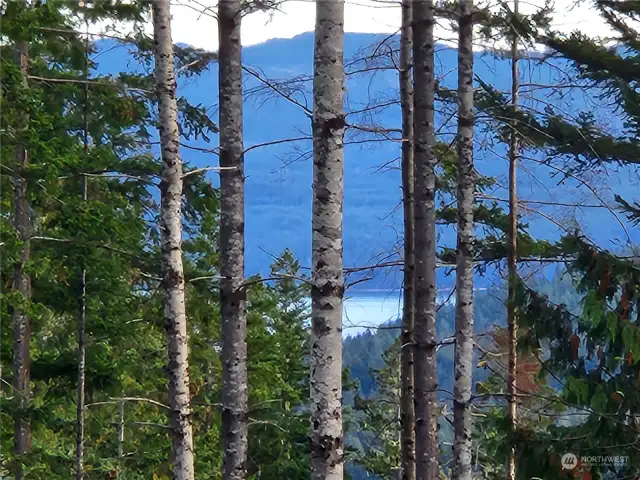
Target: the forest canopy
pixel 183 234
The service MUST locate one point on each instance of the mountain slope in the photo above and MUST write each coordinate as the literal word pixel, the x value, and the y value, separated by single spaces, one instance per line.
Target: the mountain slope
pixel 279 176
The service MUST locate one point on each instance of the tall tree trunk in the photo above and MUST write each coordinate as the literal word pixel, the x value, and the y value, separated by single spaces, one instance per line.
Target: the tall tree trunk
pixel 232 292
pixel 426 382
pixel 328 283
pixel 22 284
pixel 120 440
pixel 463 362
pixel 407 412
pixel 82 316
pixel 171 238
pixel 512 320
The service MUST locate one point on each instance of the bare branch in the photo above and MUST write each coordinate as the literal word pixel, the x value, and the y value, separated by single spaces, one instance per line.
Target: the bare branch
pixel 206 169
pixel 277 142
pixel 115 400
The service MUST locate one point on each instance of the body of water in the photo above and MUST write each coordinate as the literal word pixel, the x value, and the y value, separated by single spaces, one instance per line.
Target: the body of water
pixel 370 309
pixel 365 311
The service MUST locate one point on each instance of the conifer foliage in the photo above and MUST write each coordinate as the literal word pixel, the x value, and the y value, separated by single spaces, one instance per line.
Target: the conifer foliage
pixel 116 236
pixel 135 345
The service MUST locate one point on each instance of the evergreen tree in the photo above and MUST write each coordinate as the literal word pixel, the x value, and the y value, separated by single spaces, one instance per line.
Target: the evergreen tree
pixel 114 235
pixel 21 278
pixel 592 354
pixel 381 419
pixel 582 352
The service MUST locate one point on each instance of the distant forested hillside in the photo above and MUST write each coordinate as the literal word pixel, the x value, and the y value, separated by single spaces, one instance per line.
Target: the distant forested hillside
pixel 363 353
pixel 366 354
pixel 188 237
pixel 279 176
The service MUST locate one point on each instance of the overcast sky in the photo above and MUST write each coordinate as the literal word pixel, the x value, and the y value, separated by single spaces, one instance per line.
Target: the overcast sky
pixel 194 20
pixel 361 16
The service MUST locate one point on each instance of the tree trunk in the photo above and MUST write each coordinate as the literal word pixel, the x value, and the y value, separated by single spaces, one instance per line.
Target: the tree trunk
pixel 80 393
pixel 22 284
pixel 512 320
pixel 328 284
pixel 426 383
pixel 171 238
pixel 463 362
pixel 232 293
pixel 407 412
pixel 120 472
pixel 82 316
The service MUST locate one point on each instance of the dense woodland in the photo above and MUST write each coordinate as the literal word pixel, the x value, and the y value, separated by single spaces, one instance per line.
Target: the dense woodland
pixel 136 343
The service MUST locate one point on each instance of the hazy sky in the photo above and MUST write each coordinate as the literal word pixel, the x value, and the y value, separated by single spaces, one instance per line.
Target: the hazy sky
pixel 194 22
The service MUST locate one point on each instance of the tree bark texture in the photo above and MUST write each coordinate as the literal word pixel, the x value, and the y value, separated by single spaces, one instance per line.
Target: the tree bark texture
pixel 82 314
pixel 120 440
pixel 407 411
pixel 426 382
pixel 463 361
pixel 232 293
pixel 171 238
pixel 512 319
pixel 80 387
pixel 22 284
pixel 328 285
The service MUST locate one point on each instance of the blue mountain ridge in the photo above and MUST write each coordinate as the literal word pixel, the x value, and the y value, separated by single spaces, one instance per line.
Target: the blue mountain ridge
pixel 279 187
pixel 279 177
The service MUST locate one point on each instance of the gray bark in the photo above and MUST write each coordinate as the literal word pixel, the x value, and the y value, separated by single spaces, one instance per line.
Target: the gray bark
pixel 171 239
pixel 80 388
pixel 22 283
pixel 512 319
pixel 426 424
pixel 463 367
pixel 82 316
pixel 407 411
pixel 328 285
pixel 120 439
pixel 232 292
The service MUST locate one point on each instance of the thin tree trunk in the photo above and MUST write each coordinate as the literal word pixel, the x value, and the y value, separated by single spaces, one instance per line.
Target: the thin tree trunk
pixel 171 239
pixel 22 284
pixel 82 317
pixel 398 470
pixel 328 283
pixel 426 420
pixel 463 361
pixel 120 439
pixel 407 412
pixel 232 293
pixel 80 388
pixel 512 320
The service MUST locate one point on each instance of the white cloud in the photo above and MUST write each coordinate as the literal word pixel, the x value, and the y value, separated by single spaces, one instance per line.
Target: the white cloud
pixel 194 22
